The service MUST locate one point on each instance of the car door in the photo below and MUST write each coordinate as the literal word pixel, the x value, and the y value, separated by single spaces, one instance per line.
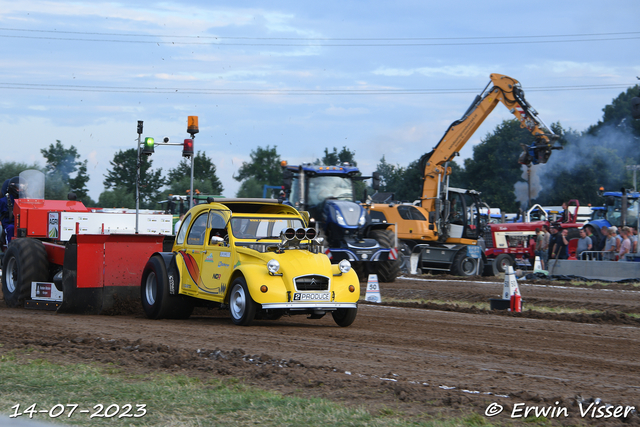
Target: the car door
pixel 217 257
pixel 190 256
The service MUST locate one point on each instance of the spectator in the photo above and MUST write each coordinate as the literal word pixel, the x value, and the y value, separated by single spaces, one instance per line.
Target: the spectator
pixel 561 247
pixel 633 236
pixel 605 235
pixel 553 235
pixel 545 246
pixel 610 246
pixel 617 236
pixel 625 246
pixel 564 217
pixel 594 238
pixel 584 244
pixel 539 243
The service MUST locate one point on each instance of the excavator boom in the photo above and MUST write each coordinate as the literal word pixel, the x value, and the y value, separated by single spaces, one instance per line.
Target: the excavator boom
pixel 501 89
pixel 444 233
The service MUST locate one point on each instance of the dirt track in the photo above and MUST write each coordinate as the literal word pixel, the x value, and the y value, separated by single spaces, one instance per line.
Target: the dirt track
pixel 418 360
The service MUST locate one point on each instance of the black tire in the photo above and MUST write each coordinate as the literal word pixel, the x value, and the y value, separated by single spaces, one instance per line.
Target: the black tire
pixel 25 261
pixel 387 270
pixel 361 270
pixel 269 314
pixel 502 261
pixel 344 316
pixel 154 293
pixel 404 253
pixel 241 306
pixel 489 269
pixel 464 265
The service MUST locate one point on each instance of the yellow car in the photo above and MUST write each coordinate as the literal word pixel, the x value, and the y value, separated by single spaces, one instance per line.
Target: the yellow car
pixel 255 256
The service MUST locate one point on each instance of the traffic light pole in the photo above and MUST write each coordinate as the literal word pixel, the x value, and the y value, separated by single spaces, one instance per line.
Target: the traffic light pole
pixel 138 174
pixel 149 144
pixel 191 188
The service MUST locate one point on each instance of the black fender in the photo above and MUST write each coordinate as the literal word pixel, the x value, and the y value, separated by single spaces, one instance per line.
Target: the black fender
pixel 173 273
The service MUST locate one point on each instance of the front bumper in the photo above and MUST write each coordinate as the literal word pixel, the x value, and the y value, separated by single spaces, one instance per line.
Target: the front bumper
pixel 309 305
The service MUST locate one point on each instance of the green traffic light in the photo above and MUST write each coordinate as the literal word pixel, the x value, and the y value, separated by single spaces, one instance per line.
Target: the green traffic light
pixel 149 143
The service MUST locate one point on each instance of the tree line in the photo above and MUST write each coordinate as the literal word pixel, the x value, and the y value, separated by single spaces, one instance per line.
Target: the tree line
pixel 65 174
pixel 594 158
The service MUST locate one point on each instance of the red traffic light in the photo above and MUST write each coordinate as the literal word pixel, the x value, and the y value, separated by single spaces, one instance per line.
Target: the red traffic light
pixel 187 149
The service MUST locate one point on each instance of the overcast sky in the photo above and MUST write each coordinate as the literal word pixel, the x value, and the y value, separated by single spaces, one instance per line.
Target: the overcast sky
pixel 382 78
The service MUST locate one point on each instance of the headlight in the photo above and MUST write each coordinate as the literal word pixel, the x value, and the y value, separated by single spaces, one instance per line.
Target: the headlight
pixel 344 265
pixel 340 219
pixel 273 266
pixel 363 218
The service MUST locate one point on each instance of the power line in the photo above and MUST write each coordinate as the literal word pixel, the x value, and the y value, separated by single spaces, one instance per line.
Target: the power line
pixel 331 42
pixel 323 38
pixel 281 91
pixel 321 45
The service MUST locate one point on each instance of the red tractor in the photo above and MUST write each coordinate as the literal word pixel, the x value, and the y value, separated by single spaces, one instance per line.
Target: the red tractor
pixel 93 258
pixel 513 244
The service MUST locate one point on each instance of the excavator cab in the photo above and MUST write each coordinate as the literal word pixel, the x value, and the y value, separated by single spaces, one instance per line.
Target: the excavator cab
pixel 464 220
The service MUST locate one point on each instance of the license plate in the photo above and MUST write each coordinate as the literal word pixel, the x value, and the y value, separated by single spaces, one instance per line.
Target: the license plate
pixel 311 296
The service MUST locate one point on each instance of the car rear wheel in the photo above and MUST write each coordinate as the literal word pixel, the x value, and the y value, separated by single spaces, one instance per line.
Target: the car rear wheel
pixel 241 305
pixel 157 302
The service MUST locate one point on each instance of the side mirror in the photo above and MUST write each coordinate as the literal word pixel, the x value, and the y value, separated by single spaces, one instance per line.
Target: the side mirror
pixel 216 240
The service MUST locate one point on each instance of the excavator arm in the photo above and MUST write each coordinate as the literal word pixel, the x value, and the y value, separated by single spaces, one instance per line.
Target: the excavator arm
pixel 507 91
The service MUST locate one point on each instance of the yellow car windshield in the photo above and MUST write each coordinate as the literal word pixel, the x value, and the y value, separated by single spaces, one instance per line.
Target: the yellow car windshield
pixel 262 227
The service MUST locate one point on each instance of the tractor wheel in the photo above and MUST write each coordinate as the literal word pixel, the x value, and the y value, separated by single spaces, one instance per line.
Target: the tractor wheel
pixel 464 265
pixel 241 305
pixel 361 270
pixel 344 316
pixel 387 270
pixel 502 262
pixel 25 261
pixel 404 253
pixel 154 292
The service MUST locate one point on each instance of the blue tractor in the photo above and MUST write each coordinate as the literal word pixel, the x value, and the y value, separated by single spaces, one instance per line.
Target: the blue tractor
pixel 621 208
pixel 327 193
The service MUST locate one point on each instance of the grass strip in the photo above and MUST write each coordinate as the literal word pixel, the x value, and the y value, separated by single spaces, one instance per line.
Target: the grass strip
pixel 171 400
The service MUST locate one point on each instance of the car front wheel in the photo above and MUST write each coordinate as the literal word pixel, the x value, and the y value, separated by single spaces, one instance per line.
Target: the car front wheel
pixel 344 316
pixel 241 305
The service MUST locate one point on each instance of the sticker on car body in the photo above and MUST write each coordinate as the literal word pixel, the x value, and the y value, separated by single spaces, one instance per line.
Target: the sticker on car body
pixel 311 296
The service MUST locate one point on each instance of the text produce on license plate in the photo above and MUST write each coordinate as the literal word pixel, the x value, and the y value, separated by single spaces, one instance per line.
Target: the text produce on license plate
pixel 311 296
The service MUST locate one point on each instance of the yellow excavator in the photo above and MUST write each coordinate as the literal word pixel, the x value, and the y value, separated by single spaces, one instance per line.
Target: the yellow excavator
pixel 442 232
